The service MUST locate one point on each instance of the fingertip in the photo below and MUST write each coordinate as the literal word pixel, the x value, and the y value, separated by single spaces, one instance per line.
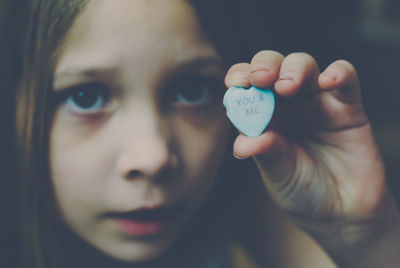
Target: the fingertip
pixel 238 75
pixel 328 80
pixel 287 86
pixel 264 68
pixel 237 157
pixel 337 75
pixel 298 71
pixel 245 147
pixel 262 76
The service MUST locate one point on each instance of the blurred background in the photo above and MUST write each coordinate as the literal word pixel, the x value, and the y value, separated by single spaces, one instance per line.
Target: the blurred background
pixel 376 38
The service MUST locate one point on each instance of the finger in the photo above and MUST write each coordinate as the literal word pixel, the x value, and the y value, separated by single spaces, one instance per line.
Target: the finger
pixel 238 75
pixel 340 106
pixel 341 76
pixel 264 68
pixel 274 155
pixel 297 70
pixel 268 142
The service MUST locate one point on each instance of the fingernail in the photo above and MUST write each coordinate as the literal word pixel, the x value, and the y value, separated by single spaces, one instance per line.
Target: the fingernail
pixel 237 157
pixel 260 67
pixel 330 74
pixel 286 77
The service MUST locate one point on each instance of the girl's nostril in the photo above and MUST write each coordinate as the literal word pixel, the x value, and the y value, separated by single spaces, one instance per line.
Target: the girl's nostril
pixel 133 174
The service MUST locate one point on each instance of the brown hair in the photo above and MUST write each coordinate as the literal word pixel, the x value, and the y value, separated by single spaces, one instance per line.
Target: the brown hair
pixel 40 28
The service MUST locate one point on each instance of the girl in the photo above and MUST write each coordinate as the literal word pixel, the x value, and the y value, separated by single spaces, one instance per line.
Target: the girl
pixel 124 145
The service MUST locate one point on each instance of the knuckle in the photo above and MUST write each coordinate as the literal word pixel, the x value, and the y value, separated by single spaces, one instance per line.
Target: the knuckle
pixel 347 66
pixel 238 67
pixel 263 54
pixel 301 62
pixel 237 75
pixel 301 56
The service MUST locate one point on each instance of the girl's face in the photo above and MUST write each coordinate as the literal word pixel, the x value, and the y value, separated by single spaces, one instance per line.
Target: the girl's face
pixel 139 132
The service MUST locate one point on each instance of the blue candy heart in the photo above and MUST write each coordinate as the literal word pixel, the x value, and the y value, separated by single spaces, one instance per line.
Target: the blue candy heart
pixel 250 110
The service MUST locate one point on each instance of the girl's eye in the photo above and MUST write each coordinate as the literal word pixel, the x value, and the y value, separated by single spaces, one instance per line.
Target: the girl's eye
pixel 196 95
pixel 196 91
pixel 86 99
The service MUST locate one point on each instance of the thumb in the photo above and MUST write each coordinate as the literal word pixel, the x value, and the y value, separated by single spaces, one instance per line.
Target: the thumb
pixel 274 154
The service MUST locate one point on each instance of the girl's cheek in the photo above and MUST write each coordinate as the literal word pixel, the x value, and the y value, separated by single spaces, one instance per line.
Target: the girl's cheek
pixel 77 154
pixel 202 144
pixel 69 130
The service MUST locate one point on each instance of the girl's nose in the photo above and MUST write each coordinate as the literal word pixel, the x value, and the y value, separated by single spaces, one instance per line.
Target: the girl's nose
pixel 147 150
pixel 150 158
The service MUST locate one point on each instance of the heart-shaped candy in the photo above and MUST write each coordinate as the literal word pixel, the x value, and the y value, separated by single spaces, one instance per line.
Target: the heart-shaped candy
pixel 250 110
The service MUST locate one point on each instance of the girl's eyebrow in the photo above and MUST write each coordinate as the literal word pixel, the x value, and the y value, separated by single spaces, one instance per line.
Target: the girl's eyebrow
pixel 196 64
pixel 87 73
pixel 200 62
pixel 66 76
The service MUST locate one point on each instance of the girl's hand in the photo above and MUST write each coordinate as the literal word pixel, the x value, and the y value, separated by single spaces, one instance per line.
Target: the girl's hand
pixel 318 158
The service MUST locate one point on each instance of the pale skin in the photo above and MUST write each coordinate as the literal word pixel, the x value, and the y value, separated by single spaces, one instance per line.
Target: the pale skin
pixel 319 160
pixel 94 155
pixel 132 145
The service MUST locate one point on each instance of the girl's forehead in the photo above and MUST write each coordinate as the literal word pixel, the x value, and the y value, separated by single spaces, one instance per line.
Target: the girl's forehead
pixel 139 26
pixel 143 36
pixel 139 16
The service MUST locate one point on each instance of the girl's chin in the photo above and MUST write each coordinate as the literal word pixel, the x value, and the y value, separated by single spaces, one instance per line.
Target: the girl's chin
pixel 140 254
pixel 143 249
pixel 105 253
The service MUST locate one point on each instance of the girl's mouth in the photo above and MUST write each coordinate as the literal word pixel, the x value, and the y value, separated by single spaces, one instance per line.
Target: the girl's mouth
pixel 144 222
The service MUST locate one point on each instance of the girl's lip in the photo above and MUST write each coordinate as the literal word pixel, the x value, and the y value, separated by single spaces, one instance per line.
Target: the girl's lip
pixel 144 221
pixel 140 228
pixel 146 213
